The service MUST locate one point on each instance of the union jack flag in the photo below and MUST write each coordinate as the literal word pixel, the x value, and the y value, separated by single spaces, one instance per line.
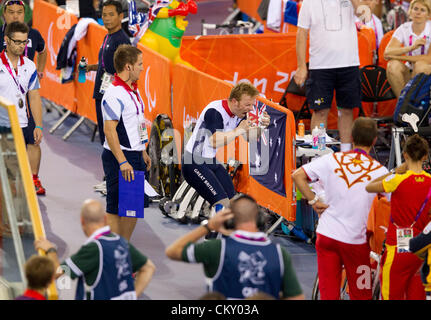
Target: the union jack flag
pixel 258 109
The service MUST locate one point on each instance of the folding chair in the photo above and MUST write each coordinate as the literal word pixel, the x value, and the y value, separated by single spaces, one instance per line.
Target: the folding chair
pixel 375 88
pixel 293 88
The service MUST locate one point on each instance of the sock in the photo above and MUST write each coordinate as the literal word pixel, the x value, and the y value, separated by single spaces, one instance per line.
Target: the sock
pixel 344 147
pixel 35 177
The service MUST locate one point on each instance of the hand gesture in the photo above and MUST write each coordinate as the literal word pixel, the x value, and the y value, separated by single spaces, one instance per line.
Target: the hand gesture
pixel 43 244
pixel 319 207
pixel 265 120
pixel 419 43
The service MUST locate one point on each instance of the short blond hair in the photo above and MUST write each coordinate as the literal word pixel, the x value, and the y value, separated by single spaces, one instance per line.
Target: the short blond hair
pixel 425 3
pixel 243 88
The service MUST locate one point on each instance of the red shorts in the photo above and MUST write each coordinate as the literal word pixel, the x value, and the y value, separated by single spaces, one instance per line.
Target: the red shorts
pixel 400 276
pixel 331 256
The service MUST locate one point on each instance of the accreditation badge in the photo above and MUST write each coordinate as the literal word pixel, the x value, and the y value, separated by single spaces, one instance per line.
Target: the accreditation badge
pixel 106 82
pixel 142 129
pixel 403 239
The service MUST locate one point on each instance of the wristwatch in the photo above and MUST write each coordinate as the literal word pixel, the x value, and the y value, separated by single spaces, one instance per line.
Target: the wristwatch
pixel 311 202
pixel 204 223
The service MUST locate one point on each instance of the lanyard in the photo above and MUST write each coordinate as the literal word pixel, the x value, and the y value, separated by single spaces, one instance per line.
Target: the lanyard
pixel 375 31
pixel 103 50
pixel 102 234
pixel 140 102
pixel 5 61
pixel 360 151
pixel 420 210
pixel 422 47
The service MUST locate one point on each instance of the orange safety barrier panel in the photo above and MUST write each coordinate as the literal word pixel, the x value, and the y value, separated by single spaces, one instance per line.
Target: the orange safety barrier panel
pixel 249 7
pixel 266 60
pixel 378 221
pixel 88 47
pixel 53 27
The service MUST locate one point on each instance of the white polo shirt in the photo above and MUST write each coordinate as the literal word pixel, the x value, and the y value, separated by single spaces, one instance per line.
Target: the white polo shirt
pixel 26 77
pixel 126 106
pixel 215 117
pixel 333 35
pixel 407 37
pixel 344 176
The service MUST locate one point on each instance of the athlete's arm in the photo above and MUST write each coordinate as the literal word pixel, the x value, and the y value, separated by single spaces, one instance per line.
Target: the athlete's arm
pixel 110 129
pixel 36 111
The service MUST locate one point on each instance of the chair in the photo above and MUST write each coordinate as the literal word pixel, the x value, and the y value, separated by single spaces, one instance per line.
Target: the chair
pixel 293 88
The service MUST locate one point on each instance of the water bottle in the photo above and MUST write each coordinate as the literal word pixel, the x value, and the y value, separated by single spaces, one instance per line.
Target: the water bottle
pixel 298 233
pixel 82 70
pixel 301 129
pixel 322 137
pixel 315 138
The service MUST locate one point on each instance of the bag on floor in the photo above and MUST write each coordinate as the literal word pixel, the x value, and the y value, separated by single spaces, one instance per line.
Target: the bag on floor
pixel 414 102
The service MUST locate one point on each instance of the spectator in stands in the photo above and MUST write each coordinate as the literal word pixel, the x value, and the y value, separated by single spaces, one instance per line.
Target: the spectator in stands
pixel 334 61
pixel 112 14
pixel 410 208
pixel 14 10
pixel 245 262
pixel 105 264
pixel 374 23
pixel 410 43
pixel 40 274
pixel 341 232
pixel 124 125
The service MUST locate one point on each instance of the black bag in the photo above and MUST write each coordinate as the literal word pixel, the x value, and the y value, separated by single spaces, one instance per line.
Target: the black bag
pixel 414 99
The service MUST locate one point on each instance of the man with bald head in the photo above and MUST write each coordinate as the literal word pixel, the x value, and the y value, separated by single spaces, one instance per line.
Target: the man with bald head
pixel 105 264
pixel 245 262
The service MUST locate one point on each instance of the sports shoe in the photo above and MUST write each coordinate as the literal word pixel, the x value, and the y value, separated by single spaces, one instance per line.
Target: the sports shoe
pixel 38 186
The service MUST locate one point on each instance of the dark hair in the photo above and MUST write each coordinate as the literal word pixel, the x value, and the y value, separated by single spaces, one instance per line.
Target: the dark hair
pixel 39 272
pixel 416 147
pixel 243 88
pixel 118 6
pixel 364 131
pixel 125 54
pixel 16 26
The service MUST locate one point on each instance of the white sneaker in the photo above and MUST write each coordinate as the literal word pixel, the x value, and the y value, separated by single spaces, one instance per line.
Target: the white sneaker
pixel 100 187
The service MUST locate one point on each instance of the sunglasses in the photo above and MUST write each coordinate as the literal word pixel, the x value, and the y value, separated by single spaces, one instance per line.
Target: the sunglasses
pixel 19 42
pixel 12 2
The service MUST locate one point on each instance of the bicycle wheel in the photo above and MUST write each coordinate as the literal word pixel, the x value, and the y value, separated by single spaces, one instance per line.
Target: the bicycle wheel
pixel 315 293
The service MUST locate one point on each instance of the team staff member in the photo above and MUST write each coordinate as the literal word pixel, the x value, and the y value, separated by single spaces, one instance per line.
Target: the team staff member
pixel 112 14
pixel 104 265
pixel 219 123
pixel 14 10
pixel 244 263
pixel 18 77
pixel 124 125
pixel 334 61
pixel 410 205
pixel 341 232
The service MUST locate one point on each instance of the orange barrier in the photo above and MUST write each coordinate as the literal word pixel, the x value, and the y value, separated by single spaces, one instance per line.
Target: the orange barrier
pixel 378 220
pixel 267 60
pixel 53 27
pixel 249 7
